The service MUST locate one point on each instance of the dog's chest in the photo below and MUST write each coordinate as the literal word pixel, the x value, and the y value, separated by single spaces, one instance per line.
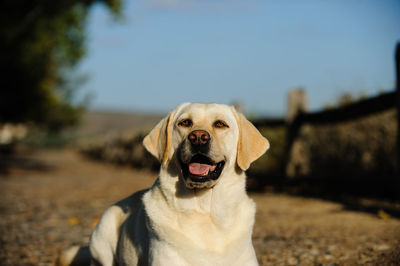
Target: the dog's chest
pixel 194 231
pixel 202 232
pixel 198 232
pixel 196 240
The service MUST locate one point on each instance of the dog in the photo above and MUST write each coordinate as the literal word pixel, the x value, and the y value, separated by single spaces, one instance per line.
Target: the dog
pixel 197 212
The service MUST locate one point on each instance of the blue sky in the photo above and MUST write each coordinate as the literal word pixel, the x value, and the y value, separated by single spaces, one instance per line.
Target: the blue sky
pixel 165 52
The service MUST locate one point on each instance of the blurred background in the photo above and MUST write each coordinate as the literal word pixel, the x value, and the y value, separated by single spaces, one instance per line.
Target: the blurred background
pixel 81 71
pixel 88 79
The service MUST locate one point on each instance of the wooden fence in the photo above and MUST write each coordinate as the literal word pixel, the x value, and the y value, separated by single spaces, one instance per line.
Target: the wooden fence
pixel 297 117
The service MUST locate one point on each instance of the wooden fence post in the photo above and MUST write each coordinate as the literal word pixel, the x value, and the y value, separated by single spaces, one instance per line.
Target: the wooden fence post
pixel 398 105
pixel 297 104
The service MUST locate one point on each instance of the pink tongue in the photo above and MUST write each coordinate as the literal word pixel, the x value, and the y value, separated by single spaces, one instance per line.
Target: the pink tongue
pixel 199 169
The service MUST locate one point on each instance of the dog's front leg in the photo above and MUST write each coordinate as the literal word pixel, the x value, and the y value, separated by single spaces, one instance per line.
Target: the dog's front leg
pixel 104 239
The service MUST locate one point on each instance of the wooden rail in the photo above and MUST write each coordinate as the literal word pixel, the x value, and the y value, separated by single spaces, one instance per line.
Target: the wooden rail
pixel 352 111
pixel 348 112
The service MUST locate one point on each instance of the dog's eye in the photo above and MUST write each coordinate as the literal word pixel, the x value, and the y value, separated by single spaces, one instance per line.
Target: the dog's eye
pixel 220 124
pixel 185 123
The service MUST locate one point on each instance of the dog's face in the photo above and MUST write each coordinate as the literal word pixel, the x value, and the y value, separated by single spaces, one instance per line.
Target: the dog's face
pixel 205 140
pixel 205 137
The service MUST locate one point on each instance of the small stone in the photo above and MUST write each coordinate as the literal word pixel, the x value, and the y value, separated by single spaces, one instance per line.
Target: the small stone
pixel 292 261
pixel 314 252
pixel 332 248
pixel 382 247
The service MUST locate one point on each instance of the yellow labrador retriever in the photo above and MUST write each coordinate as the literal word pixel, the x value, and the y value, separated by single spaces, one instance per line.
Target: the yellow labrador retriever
pixel 197 212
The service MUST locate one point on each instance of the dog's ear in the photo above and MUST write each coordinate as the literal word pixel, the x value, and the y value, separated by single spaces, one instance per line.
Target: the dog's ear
pixel 251 144
pixel 159 141
pixel 155 141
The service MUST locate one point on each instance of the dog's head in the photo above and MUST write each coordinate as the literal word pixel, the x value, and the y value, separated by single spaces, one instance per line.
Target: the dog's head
pixel 205 140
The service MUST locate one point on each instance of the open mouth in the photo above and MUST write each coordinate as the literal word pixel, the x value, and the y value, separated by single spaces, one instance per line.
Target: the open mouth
pixel 202 169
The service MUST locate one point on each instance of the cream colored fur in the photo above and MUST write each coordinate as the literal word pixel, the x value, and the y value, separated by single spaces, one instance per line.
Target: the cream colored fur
pixel 171 225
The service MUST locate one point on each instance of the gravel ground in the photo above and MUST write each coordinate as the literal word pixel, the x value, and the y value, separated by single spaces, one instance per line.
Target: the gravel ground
pixel 51 199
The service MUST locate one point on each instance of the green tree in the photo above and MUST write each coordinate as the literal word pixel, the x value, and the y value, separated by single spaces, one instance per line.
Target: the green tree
pixel 40 42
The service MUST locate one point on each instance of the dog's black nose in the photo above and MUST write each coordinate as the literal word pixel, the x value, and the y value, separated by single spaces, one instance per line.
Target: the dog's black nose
pixel 199 137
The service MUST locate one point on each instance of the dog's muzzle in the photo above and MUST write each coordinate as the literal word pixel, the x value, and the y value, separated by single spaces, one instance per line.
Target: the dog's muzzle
pixel 198 169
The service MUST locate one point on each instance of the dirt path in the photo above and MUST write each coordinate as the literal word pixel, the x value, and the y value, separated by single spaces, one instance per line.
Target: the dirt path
pixel 52 199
